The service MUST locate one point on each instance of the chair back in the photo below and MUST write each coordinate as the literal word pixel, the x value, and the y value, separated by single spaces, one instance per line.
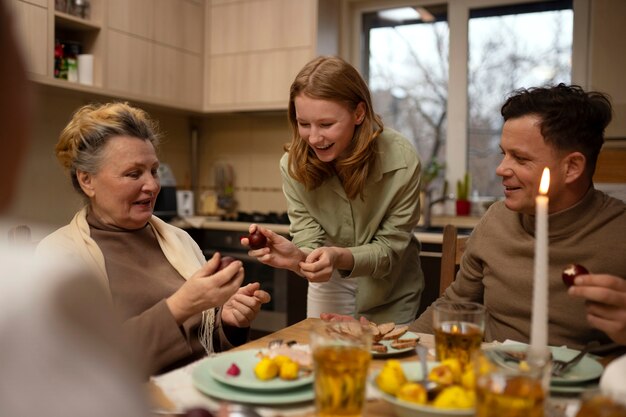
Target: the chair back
pixel 452 250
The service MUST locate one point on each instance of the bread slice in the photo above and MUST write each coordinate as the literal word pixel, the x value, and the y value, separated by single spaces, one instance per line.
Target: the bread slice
pixel 386 328
pixel 379 348
pixel 396 333
pixel 404 343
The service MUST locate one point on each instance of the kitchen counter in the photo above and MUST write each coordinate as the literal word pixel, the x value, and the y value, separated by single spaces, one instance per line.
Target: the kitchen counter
pixel 433 236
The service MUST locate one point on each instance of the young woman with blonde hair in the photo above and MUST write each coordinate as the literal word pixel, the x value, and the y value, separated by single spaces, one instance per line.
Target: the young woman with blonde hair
pixel 352 188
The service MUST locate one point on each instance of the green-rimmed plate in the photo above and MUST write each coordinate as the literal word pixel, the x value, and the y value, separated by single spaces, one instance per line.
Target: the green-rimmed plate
pixel 246 360
pixel 205 383
pixel 588 369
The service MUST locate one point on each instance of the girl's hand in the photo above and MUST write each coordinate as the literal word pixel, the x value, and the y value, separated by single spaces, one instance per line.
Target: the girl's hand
pixel 279 252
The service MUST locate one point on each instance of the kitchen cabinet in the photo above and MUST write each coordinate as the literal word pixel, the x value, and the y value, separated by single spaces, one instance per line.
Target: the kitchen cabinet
pixel 607 58
pixel 255 48
pixel 31 21
pixel 160 58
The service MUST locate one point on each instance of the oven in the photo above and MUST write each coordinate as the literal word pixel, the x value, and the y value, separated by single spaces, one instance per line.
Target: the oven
pixel 288 290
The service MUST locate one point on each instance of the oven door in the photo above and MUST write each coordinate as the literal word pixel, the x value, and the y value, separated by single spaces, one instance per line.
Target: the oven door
pixel 273 315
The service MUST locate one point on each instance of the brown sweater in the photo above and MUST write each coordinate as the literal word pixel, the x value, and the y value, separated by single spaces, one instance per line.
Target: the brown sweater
pixel 497 268
pixel 140 280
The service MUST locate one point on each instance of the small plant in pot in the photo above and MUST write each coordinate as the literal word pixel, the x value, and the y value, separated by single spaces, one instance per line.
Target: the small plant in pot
pixel 463 204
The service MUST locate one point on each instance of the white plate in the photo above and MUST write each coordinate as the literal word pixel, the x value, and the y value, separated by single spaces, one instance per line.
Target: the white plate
pixel 586 370
pixel 391 351
pixel 205 383
pixel 246 361
pixel 413 372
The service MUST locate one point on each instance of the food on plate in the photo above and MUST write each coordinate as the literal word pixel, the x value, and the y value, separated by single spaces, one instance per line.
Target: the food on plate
pixel 571 271
pixel 233 370
pixel 391 378
pixel 390 332
pixel 413 393
pixel 266 369
pixel 287 361
pixel 454 397
pixel 457 378
pixel 257 240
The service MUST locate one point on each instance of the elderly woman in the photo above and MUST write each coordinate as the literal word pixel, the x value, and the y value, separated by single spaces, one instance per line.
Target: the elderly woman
pixel 176 306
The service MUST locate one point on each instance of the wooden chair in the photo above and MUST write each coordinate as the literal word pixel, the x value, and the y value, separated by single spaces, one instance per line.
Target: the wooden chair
pixel 451 251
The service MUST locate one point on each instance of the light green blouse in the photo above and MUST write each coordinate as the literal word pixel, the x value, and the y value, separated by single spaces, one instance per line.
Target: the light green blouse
pixel 377 230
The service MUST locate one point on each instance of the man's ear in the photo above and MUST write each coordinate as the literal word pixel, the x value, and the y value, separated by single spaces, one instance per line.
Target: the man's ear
pixel 359 113
pixel 85 180
pixel 574 166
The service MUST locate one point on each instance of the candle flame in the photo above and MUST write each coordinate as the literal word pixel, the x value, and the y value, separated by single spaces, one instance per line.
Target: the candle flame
pixel 545 181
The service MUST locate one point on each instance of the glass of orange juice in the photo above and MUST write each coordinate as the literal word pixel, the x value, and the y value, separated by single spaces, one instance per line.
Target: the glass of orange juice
pixel 595 403
pixel 459 329
pixel 513 389
pixel 341 359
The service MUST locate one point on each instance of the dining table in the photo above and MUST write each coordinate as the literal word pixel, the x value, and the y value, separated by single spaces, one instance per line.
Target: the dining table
pixel 174 392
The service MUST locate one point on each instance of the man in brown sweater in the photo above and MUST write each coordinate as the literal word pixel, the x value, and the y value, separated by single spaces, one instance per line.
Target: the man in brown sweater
pixel 561 128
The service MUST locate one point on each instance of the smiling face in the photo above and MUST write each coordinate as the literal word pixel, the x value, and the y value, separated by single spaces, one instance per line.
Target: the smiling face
pixel 526 154
pixel 123 192
pixel 327 126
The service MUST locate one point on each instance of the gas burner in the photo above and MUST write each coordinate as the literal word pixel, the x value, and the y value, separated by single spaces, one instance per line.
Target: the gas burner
pixel 271 217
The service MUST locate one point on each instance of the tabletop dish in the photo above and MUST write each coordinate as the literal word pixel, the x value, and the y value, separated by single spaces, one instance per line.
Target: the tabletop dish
pixel 392 351
pixel 413 372
pixel 586 370
pixel 245 361
pixel 205 383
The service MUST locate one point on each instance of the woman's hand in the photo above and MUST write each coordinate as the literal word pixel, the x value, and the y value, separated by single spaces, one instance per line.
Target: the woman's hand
pixel 209 287
pixel 243 307
pixel 279 252
pixel 605 299
pixel 320 264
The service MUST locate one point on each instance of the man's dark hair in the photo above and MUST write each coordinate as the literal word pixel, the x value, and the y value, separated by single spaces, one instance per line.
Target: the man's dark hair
pixel 571 119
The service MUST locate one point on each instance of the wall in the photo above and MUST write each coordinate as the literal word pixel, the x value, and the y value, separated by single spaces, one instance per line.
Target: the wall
pixel 45 194
pixel 253 144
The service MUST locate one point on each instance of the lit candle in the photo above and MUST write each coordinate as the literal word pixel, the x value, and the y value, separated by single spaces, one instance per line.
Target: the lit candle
pixel 539 324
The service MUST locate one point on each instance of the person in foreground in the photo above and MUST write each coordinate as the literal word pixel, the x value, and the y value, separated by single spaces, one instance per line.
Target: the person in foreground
pixel 562 128
pixel 60 354
pixel 176 306
pixel 352 189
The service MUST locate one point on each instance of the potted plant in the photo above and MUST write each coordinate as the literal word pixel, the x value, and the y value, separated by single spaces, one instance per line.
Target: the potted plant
pixel 463 204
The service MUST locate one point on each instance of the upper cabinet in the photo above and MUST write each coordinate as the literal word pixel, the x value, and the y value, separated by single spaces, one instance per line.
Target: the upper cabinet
pixel 255 48
pixel 155 50
pixel 196 55
pixel 608 58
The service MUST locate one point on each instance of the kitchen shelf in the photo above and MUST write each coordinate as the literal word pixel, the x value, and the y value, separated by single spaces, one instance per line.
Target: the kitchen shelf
pixel 67 21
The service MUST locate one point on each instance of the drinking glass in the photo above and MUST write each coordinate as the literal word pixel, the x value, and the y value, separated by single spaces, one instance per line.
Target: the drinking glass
pixel 341 358
pixel 595 403
pixel 511 389
pixel 459 329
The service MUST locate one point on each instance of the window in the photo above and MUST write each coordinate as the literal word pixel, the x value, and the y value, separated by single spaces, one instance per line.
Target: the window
pixel 440 73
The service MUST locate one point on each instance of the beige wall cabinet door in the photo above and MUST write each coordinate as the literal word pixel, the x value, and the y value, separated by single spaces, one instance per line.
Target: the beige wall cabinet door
pixel 254 49
pixel 129 64
pixel 132 16
pixel 179 23
pixel 31 24
pixel 608 58
pixel 177 76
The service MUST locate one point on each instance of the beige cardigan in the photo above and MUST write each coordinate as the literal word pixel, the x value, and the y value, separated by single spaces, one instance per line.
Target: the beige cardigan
pixel 181 251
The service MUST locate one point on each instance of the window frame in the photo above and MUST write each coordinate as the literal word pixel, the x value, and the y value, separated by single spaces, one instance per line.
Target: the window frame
pixel 456 153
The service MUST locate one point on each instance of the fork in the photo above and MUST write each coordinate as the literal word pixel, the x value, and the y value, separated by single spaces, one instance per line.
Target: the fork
pixel 560 367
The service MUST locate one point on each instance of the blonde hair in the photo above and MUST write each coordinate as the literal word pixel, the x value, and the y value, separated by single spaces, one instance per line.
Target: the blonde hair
pixel 332 78
pixel 83 140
